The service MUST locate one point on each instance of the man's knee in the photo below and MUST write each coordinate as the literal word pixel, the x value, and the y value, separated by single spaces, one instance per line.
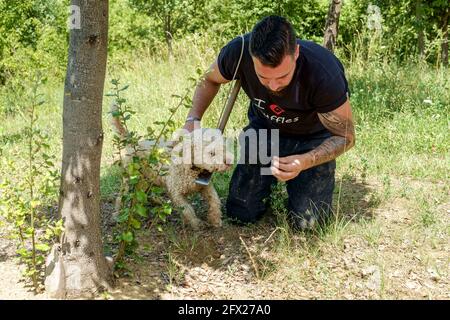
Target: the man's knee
pixel 242 211
pixel 311 216
pixel 248 192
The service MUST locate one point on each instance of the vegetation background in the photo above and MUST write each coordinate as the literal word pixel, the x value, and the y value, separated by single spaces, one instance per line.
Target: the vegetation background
pixel 390 238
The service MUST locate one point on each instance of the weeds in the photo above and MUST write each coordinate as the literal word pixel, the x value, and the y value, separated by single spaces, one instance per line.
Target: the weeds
pixel 401 115
pixel 29 193
pixel 140 195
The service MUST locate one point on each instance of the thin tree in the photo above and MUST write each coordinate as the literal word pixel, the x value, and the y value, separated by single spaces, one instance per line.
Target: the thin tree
pixel 420 27
pixel 444 45
pixel 332 24
pixel 77 266
pixel 171 15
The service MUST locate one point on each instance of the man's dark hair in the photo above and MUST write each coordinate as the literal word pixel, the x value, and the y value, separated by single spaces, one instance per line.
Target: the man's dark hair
pixel 271 40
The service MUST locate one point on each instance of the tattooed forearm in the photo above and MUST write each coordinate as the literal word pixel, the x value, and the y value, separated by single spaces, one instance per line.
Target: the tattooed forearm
pixel 337 124
pixel 343 138
pixel 330 149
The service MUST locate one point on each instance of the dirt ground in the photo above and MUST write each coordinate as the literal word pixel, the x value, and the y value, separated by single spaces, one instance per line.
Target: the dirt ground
pixel 380 256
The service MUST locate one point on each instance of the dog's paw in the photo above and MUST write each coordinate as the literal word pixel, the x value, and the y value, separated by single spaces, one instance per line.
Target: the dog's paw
pixel 215 220
pixel 195 224
pixel 216 224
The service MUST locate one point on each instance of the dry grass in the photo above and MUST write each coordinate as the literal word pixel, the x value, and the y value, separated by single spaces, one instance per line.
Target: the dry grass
pixel 390 238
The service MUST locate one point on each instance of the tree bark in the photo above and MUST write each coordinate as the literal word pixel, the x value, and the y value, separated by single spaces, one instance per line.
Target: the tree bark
pixel 444 45
pixel 168 34
pixel 419 26
pixel 332 24
pixel 77 266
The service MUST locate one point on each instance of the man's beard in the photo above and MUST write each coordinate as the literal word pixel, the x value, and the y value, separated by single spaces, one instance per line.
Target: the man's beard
pixel 279 93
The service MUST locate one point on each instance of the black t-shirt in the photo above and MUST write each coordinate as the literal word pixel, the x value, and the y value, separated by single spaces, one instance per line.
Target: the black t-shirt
pixel 318 86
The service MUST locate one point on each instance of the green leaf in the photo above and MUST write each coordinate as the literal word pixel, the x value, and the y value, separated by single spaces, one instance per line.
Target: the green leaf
pixel 167 210
pixel 135 223
pixel 157 190
pixel 40 260
pixel 127 236
pixel 124 88
pixel 123 217
pixel 141 196
pixel 116 114
pixel 141 210
pixel 134 180
pixel 49 163
pixel 29 231
pixel 42 247
pixel 24 253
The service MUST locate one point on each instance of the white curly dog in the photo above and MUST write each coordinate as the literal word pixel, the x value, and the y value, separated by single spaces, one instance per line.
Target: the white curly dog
pixel 202 149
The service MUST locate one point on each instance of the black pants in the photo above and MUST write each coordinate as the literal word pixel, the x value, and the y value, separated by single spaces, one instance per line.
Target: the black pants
pixel 310 193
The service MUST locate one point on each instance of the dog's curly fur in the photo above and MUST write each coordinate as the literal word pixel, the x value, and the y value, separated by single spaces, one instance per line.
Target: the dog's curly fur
pixel 180 178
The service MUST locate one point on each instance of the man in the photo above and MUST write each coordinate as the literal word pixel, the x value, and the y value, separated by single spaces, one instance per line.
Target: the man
pixel 295 86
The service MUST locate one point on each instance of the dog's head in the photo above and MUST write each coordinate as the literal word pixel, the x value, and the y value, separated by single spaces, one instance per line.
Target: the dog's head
pixel 205 149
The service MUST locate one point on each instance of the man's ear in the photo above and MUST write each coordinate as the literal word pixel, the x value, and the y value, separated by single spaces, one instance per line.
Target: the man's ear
pixel 297 51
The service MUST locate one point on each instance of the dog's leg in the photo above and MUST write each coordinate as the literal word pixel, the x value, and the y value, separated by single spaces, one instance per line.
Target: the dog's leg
pixel 214 212
pixel 188 212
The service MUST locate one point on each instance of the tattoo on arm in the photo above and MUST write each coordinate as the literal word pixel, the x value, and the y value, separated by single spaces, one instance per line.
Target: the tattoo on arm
pixel 343 138
pixel 337 124
pixel 330 149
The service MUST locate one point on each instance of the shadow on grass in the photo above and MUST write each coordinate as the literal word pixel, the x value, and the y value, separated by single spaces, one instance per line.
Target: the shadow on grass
pixel 164 259
pixel 354 200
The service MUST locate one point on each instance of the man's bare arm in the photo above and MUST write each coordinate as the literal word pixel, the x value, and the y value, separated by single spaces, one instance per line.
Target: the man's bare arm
pixel 205 93
pixel 340 123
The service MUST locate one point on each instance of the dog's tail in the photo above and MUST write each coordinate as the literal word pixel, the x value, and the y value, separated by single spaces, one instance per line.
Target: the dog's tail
pixel 119 129
pixel 115 121
pixel 117 126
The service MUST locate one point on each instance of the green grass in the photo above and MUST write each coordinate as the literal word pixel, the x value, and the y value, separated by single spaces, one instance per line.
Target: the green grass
pixel 397 132
pixel 400 162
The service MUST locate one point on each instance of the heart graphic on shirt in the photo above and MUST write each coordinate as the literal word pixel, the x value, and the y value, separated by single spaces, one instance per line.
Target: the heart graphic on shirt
pixel 276 109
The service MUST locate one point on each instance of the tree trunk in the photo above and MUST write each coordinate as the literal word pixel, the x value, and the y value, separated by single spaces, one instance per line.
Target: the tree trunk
pixel 419 26
pixel 77 266
pixel 168 34
pixel 332 24
pixel 444 46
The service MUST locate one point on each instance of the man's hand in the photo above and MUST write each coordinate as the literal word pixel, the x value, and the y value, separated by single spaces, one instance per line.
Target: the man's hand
pixel 287 168
pixel 340 123
pixel 191 125
pixel 204 94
